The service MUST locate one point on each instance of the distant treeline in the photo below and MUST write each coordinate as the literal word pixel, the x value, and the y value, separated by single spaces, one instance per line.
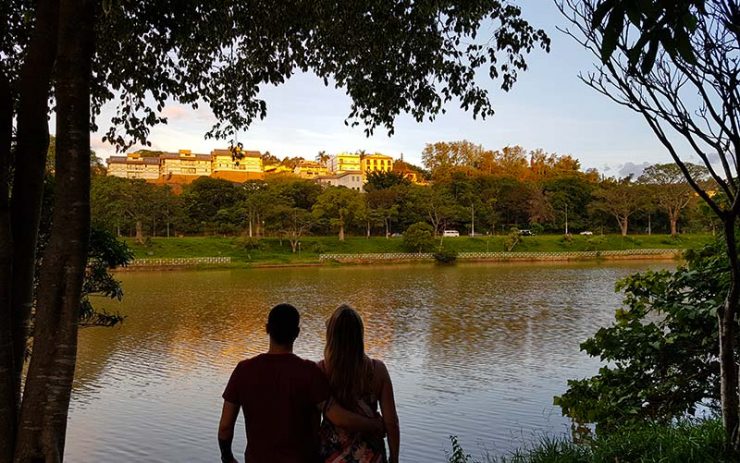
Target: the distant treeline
pixel 473 190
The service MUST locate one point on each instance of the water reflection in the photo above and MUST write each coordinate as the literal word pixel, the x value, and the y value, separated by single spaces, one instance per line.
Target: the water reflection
pixel 474 350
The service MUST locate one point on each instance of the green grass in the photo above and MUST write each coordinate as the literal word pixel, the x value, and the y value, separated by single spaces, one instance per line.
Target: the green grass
pixel 701 442
pixel 271 250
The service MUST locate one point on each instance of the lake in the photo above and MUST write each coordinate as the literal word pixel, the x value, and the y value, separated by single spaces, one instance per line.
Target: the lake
pixel 474 350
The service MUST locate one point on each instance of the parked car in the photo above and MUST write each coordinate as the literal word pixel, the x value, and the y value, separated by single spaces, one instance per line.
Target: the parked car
pixel 586 233
pixel 525 233
pixel 453 233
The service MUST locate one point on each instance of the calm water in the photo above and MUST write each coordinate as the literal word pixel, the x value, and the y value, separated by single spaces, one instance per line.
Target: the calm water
pixel 473 350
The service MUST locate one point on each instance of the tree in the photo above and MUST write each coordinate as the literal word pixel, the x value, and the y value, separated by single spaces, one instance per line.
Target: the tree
pixel 205 198
pixel 381 180
pixel 323 158
pixel 661 351
pixel 671 190
pixel 145 54
pixel 689 48
pixel 338 205
pixel 620 199
pixel 419 237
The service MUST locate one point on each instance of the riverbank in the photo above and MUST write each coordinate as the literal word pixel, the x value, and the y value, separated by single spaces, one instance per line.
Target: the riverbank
pixel 318 250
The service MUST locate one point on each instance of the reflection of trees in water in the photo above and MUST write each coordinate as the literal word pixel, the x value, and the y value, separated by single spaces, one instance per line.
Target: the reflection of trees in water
pixel 511 321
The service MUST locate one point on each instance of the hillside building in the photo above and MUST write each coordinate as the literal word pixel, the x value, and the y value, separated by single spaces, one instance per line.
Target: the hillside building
pixel 376 163
pixel 238 169
pixel 345 162
pixel 310 169
pixel 185 163
pixel 134 165
pixel 354 180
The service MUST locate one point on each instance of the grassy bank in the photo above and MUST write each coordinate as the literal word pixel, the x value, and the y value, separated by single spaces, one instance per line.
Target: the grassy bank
pixel 273 251
pixel 701 442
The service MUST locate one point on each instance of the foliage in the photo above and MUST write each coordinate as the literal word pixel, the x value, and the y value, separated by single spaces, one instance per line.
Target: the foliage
pixel 661 351
pixel 379 180
pixel 105 253
pixel 667 25
pixel 691 50
pixel 512 240
pixel 339 206
pixel 458 455
pixel 415 65
pixel 419 237
pixel 682 442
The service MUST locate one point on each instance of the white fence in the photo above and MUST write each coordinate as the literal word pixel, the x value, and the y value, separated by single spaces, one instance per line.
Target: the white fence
pixel 500 256
pixel 178 262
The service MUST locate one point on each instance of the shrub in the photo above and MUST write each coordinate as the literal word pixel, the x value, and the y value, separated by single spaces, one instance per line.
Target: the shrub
pixel 445 256
pixel 251 243
pixel 419 237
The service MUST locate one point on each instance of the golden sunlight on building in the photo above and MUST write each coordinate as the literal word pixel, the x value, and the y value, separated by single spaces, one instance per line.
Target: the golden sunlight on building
pixel 277 169
pixel 185 163
pixel 345 162
pixel 134 165
pixel 310 169
pixel 247 165
pixel 354 180
pixel 376 163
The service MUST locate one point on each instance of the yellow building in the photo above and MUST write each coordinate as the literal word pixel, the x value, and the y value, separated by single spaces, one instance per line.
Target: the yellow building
pixel 376 163
pixel 185 163
pixel 245 161
pixel 345 162
pixel 133 165
pixel 277 169
pixel 310 169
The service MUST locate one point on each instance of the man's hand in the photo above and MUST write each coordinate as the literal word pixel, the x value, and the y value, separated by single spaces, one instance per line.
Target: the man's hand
pixel 229 415
pixel 378 427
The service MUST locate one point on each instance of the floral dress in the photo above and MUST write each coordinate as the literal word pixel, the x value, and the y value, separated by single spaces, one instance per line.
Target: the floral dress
pixel 341 446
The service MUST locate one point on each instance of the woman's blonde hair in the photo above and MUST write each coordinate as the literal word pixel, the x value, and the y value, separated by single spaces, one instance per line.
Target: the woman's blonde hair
pixel 344 356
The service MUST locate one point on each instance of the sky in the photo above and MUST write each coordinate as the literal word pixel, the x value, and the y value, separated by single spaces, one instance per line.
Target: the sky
pixel 548 108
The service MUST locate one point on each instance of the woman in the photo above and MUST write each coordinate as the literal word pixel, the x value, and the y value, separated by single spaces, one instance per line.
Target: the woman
pixel 358 383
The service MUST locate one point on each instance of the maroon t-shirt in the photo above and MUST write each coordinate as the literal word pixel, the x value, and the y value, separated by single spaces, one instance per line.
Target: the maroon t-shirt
pixel 278 394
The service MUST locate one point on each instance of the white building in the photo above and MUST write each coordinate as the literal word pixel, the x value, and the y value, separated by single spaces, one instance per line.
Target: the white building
pixel 350 179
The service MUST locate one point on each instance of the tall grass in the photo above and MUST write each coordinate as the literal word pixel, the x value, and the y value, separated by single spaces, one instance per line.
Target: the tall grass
pixel 685 442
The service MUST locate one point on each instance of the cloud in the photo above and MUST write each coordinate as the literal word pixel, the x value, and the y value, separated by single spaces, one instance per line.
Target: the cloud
pixel 176 112
pixel 630 168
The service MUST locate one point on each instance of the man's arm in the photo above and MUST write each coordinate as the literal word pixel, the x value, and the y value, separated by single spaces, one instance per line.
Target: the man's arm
pixel 344 418
pixel 229 414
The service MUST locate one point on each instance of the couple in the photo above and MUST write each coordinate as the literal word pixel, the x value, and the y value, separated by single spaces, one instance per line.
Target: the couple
pixel 283 397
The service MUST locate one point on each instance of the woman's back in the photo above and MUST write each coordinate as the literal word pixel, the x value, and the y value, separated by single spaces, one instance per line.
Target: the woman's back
pixel 360 384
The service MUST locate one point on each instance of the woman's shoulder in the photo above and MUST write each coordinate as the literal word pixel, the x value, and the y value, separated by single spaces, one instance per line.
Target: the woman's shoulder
pixel 380 371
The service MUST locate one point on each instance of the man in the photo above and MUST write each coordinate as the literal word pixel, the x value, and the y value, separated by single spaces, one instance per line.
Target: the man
pixel 281 395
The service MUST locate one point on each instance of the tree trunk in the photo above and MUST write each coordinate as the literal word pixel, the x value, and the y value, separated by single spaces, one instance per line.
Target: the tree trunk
pixel 368 229
pixel 48 386
pixel 139 233
pixel 623 225
pixel 8 394
pixel 727 327
pixel 341 232
pixel 29 165
pixel 673 218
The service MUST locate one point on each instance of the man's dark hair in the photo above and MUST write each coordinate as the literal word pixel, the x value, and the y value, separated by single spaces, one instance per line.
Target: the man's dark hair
pixel 282 324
